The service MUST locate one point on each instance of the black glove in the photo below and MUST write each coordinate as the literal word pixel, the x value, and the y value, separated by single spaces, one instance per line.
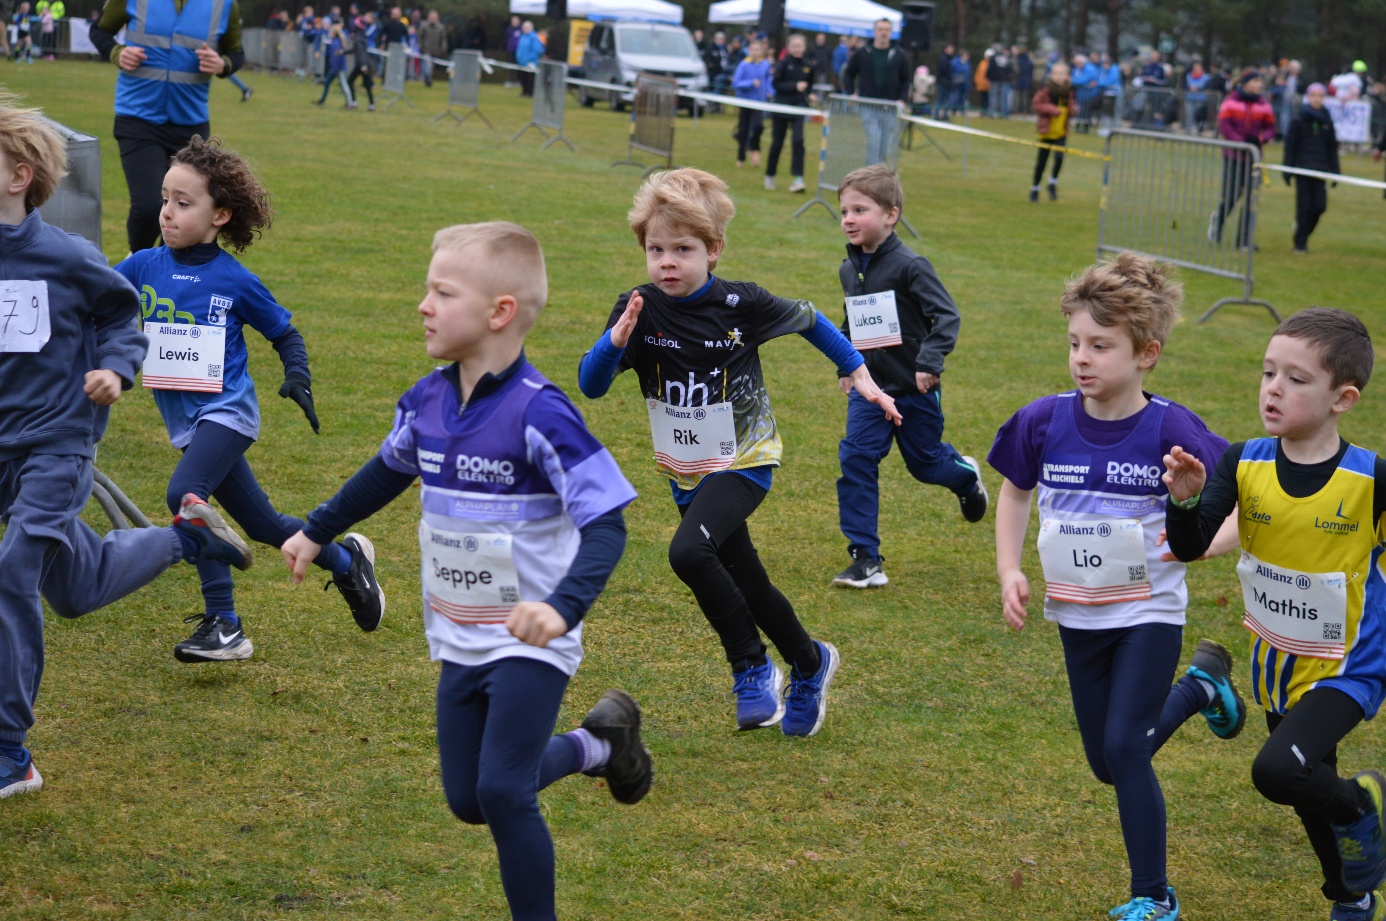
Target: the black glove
pixel 1286 177
pixel 296 388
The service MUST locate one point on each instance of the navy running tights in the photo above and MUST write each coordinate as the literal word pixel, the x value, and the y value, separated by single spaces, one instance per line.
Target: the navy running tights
pixel 214 464
pixel 1298 767
pixel 713 555
pixel 497 750
pixel 1126 709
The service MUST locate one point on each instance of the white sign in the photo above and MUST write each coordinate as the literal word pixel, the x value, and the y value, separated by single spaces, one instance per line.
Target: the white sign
pixel 1094 561
pixel 873 321
pixel 183 356
pixel 692 440
pixel 1351 120
pixel 468 578
pixel 1302 613
pixel 24 325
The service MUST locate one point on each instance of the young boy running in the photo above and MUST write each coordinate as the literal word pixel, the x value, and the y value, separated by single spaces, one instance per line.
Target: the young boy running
pixel 693 341
pixel 1094 455
pixel 1311 516
pixel 903 322
pixel 69 346
pixel 521 528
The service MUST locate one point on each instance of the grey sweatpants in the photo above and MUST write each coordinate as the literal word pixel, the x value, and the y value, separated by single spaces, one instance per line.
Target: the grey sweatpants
pixel 48 550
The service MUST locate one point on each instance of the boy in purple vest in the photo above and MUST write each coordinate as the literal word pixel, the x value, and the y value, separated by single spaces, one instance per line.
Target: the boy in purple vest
pixel 522 526
pixel 1096 456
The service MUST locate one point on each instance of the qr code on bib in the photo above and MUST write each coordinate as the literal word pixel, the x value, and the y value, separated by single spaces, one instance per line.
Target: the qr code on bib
pixel 894 327
pixel 214 372
pixel 1135 573
pixel 728 448
pixel 1333 631
pixel 509 594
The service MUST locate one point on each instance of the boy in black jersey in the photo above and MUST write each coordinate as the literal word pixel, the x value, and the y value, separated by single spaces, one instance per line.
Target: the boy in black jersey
pixel 1311 520
pixel 901 318
pixel 692 340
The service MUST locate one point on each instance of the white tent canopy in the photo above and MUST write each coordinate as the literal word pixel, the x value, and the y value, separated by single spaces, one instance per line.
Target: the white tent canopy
pixel 840 17
pixel 625 10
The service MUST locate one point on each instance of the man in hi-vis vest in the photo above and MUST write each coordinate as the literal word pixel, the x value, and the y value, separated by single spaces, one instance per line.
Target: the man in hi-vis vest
pixel 172 50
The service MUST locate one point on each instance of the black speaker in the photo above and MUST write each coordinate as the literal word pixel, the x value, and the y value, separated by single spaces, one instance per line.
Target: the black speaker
pixel 772 18
pixel 556 9
pixel 917 29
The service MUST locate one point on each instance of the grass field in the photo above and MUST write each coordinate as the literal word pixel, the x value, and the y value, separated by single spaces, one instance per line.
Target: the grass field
pixel 948 782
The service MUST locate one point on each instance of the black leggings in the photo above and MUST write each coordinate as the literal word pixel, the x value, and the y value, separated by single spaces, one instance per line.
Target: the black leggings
pixel 1043 157
pixel 713 555
pixel 367 81
pixel 749 125
pixel 779 124
pixel 1298 767
pixel 145 150
pixel 1311 201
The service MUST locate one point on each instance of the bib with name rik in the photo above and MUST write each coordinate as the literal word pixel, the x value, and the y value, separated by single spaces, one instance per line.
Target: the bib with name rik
pixel 691 440
pixel 184 356
pixel 1094 561
pixel 1302 613
pixel 873 320
pixel 468 578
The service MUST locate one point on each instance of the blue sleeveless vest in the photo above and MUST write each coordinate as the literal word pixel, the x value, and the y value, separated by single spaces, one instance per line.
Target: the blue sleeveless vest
pixel 168 87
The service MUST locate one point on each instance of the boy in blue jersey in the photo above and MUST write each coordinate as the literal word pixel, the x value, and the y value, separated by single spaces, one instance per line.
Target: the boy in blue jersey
pixel 904 323
pixel 1311 523
pixel 196 300
pixel 522 526
pixel 69 346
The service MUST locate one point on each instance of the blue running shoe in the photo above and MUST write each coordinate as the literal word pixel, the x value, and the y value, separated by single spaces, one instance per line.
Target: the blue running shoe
pixel 214 538
pixel 15 780
pixel 1346 911
pixel 1360 844
pixel 759 696
pixel 1145 908
pixel 1226 713
pixel 807 702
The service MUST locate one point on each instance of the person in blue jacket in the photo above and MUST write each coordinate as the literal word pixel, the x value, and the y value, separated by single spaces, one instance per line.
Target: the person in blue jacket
pixel 751 81
pixel 171 53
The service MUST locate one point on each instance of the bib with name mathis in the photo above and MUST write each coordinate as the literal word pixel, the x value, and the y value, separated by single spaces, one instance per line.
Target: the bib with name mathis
pixel 1302 613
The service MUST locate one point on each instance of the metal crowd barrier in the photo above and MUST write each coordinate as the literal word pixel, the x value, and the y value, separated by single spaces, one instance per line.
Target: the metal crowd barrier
pixel 857 132
pixel 1185 200
pixel 464 87
pixel 253 44
pixel 396 69
pixel 652 120
pixel 550 100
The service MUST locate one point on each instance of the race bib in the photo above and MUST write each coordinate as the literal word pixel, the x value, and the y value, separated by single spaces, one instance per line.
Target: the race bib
pixel 873 321
pixel 1097 561
pixel 183 356
pixel 24 323
pixel 468 578
pixel 1302 613
pixel 690 440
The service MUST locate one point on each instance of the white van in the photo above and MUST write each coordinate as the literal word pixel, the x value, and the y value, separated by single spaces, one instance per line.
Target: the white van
pixel 617 52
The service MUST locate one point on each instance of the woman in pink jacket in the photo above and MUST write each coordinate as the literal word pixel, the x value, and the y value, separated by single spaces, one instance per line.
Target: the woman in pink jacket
pixel 1245 116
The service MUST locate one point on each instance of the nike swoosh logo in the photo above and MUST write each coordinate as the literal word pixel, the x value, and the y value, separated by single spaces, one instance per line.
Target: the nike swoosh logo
pixel 224 639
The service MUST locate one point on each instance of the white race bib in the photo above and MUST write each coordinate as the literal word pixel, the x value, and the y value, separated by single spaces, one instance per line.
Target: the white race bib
pixel 183 356
pixel 690 440
pixel 1095 561
pixel 24 325
pixel 468 578
pixel 1302 613
pixel 873 320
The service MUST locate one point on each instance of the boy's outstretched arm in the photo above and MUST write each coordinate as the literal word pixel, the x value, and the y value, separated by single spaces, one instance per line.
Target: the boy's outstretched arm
pixel 1202 528
pixel 369 490
pixel 598 367
pixel 1012 521
pixel 828 339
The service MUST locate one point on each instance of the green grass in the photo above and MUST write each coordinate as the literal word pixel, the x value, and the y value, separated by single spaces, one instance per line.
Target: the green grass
pixel 948 781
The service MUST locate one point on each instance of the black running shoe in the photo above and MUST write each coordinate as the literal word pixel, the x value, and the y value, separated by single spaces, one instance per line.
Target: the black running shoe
pixel 974 504
pixel 629 771
pixel 213 536
pixel 216 639
pixel 362 592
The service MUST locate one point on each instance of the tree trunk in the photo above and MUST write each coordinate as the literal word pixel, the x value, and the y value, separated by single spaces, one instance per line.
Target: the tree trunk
pixel 1080 27
pixel 1114 29
pixel 960 27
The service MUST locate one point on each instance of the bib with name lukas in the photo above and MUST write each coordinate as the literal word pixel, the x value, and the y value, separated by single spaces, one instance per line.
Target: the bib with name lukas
pixel 184 356
pixel 468 578
pixel 873 320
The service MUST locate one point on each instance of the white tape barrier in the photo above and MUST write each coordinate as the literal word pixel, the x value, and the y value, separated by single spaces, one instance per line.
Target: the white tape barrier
pixel 1331 177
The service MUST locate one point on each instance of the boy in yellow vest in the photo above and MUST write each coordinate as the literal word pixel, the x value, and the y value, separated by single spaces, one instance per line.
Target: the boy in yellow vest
pixel 1312 523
